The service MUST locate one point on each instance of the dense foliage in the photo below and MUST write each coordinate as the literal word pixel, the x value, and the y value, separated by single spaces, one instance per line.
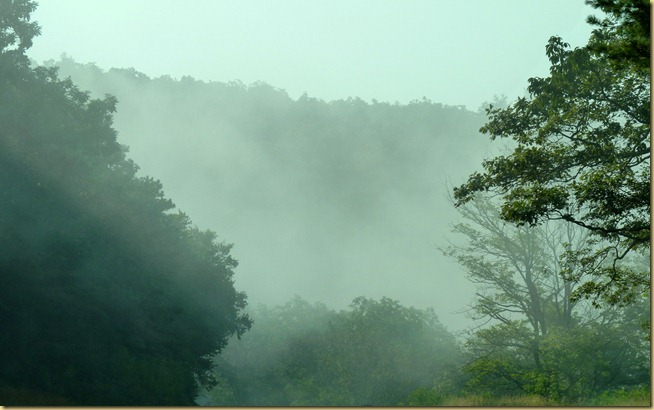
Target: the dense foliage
pixel 575 192
pixel 112 297
pixel 583 147
pixel 623 35
pixel 376 353
pixel 108 296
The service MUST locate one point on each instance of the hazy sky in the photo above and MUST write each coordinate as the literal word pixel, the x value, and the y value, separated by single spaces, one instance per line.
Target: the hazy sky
pixel 454 52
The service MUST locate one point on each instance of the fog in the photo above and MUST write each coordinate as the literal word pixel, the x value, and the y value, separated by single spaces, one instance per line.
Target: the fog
pixel 291 171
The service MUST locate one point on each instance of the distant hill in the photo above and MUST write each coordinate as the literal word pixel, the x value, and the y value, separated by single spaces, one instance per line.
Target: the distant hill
pixel 329 200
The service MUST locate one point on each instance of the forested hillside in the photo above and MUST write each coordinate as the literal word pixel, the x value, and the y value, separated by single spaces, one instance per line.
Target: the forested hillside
pixel 329 200
pixel 390 255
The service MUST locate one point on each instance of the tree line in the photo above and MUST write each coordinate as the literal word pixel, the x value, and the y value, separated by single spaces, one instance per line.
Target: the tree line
pixel 111 296
pixel 564 262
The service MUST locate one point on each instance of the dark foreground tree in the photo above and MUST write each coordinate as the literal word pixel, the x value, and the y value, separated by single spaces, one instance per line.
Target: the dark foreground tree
pixel 583 147
pixel 108 297
pixel 624 34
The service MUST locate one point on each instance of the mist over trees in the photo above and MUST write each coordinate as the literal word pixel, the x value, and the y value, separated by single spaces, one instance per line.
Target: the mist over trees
pixel 299 354
pixel 576 187
pixel 536 338
pixel 109 295
pixel 293 183
pixel 112 296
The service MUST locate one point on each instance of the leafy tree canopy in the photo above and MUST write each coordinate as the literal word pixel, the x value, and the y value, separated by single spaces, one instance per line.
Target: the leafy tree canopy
pixel 582 141
pixel 376 353
pixel 624 35
pixel 534 339
pixel 108 296
pixel 16 29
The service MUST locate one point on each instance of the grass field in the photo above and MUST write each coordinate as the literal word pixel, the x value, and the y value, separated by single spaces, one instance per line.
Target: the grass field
pixel 638 397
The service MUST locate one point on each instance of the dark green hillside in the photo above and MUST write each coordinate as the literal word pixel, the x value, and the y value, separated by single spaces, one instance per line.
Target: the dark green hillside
pixel 109 296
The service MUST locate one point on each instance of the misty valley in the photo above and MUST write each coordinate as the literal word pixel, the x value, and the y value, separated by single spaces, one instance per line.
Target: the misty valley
pixel 184 242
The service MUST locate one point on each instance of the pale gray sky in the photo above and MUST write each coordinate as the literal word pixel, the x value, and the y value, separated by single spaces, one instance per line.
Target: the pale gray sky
pixel 454 52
